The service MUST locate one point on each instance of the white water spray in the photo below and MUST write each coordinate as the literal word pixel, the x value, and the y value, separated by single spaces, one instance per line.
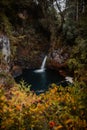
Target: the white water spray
pixel 42 68
pixel 43 63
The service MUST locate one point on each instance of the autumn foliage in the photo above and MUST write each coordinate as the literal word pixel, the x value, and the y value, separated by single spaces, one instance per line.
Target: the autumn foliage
pixel 57 109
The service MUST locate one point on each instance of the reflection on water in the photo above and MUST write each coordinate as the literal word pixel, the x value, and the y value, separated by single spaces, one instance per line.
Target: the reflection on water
pixel 40 81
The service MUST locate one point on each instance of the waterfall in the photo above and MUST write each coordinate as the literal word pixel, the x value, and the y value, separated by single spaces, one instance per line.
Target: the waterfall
pixel 43 63
pixel 42 68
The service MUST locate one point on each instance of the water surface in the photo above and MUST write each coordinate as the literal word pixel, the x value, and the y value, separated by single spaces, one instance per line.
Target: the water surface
pixel 40 81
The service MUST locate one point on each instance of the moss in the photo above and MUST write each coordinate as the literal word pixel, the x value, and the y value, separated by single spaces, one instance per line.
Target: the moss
pixel 5 25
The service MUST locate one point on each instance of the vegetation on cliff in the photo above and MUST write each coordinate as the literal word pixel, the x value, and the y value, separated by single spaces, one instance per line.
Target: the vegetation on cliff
pixel 36 28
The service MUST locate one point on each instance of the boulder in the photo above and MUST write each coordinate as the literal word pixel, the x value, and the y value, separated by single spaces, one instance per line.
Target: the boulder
pixel 58 58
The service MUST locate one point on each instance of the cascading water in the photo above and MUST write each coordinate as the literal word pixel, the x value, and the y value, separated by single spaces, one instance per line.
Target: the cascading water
pixel 42 68
pixel 43 63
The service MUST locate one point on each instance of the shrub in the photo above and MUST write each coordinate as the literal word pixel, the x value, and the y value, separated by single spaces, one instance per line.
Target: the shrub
pixel 58 108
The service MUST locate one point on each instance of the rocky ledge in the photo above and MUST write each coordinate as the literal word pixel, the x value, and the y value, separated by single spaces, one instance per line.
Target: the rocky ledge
pixel 58 57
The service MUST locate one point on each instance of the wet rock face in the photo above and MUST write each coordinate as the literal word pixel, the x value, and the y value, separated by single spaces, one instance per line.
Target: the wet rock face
pixel 5 48
pixel 4 59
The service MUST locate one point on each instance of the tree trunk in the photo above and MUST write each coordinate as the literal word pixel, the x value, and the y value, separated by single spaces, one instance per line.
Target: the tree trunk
pixel 61 15
pixel 83 7
pixel 77 10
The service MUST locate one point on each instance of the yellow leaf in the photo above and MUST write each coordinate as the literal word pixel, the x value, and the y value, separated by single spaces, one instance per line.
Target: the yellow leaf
pixel 58 127
pixel 68 121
